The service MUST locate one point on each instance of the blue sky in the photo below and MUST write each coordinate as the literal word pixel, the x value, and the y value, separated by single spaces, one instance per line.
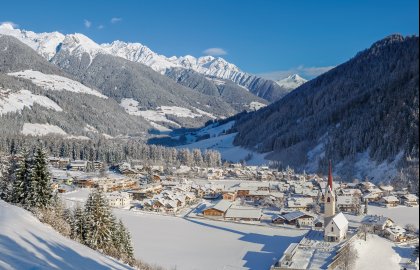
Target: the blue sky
pixel 267 36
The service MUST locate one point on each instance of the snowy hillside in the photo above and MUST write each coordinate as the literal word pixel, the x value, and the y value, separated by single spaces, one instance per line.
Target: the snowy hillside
pixel 55 82
pixel 291 82
pixel 16 101
pixel 26 243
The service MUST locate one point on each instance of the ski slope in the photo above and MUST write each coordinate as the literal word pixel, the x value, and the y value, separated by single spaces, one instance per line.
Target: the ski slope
pixel 26 243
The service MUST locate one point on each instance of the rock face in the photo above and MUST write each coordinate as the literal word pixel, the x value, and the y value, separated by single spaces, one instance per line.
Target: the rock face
pixel 364 110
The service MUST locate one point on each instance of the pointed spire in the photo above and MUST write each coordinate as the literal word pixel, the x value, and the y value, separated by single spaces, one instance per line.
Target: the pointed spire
pixel 330 178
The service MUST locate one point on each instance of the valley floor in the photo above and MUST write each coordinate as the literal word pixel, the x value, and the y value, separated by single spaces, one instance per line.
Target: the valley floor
pixel 189 244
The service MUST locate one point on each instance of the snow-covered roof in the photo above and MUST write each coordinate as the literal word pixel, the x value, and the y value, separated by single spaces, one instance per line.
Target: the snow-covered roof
pixel 390 199
pixel 410 197
pixel 222 206
pixel 340 220
pixel 295 215
pixel 345 200
pixel 243 213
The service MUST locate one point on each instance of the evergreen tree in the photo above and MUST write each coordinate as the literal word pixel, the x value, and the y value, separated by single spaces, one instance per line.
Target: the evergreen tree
pixel 40 181
pixel 98 221
pixel 78 225
pixel 7 176
pixel 20 188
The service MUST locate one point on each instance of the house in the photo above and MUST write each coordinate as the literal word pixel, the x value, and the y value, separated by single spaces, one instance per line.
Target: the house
pixel 118 199
pixel 395 233
pixel 78 165
pixel 218 210
pixel 297 218
pixel 409 200
pixel 243 214
pixel 348 204
pixel 229 196
pixel 299 203
pixel 98 165
pixel 389 201
pixel 377 224
pixel 336 228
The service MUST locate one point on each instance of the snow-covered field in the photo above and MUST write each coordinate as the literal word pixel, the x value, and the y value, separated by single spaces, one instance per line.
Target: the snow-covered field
pixel 55 82
pixel 401 215
pixel 41 129
pixel 17 101
pixel 190 244
pixel 26 243
pixel 380 253
pixel 224 144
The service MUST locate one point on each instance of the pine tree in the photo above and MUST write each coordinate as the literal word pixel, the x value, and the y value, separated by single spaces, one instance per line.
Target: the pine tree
pixel 7 175
pixel 98 221
pixel 41 193
pixel 78 225
pixel 20 188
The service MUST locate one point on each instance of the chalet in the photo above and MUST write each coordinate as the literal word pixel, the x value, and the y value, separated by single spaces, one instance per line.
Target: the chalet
pixel 78 165
pixel 229 196
pixel 129 172
pixel 395 233
pixel 243 214
pixel 409 200
pixel 98 165
pixel 386 189
pixel 377 224
pixel 389 201
pixel 348 204
pixel 218 210
pixel 350 192
pixel 299 203
pixel 336 228
pixel 297 218
pixel 171 206
pixel 84 183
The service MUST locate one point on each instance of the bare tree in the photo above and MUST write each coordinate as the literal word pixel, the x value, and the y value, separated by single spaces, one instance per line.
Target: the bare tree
pixel 348 257
pixel 364 229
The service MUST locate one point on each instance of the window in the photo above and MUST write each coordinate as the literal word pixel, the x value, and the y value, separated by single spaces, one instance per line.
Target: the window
pixel 328 199
pixel 332 229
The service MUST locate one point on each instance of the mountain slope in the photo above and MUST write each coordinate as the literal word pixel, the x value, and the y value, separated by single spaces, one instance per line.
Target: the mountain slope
pixel 26 243
pixel 54 97
pixel 120 79
pixel 48 44
pixel 364 110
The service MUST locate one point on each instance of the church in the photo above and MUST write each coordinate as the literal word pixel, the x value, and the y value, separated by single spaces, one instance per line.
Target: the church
pixel 336 225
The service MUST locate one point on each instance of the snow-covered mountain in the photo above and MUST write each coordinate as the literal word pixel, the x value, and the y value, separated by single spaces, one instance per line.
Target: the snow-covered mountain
pixel 26 243
pixel 48 44
pixel 291 82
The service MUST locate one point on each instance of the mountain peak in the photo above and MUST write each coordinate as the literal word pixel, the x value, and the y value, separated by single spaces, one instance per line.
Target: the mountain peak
pixel 291 82
pixel 7 25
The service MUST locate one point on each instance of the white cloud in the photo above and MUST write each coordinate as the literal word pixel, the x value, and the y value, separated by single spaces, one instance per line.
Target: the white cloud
pixel 306 72
pixel 215 51
pixel 87 23
pixel 115 20
pixel 101 26
pixel 12 24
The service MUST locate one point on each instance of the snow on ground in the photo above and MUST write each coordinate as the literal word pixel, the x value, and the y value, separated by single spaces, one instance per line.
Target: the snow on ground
pixel 26 243
pixel 190 244
pixel 17 101
pixel 41 129
pixel 224 144
pixel 55 82
pixel 401 215
pixel 255 105
pixel 159 115
pixel 380 253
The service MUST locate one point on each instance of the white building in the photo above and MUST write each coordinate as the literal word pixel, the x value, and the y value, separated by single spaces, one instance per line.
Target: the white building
pixel 118 199
pixel 336 225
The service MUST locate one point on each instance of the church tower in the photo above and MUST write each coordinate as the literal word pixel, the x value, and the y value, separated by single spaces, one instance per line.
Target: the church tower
pixel 329 203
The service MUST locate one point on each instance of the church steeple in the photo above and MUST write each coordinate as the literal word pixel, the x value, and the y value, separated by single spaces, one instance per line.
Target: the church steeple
pixel 329 203
pixel 330 178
